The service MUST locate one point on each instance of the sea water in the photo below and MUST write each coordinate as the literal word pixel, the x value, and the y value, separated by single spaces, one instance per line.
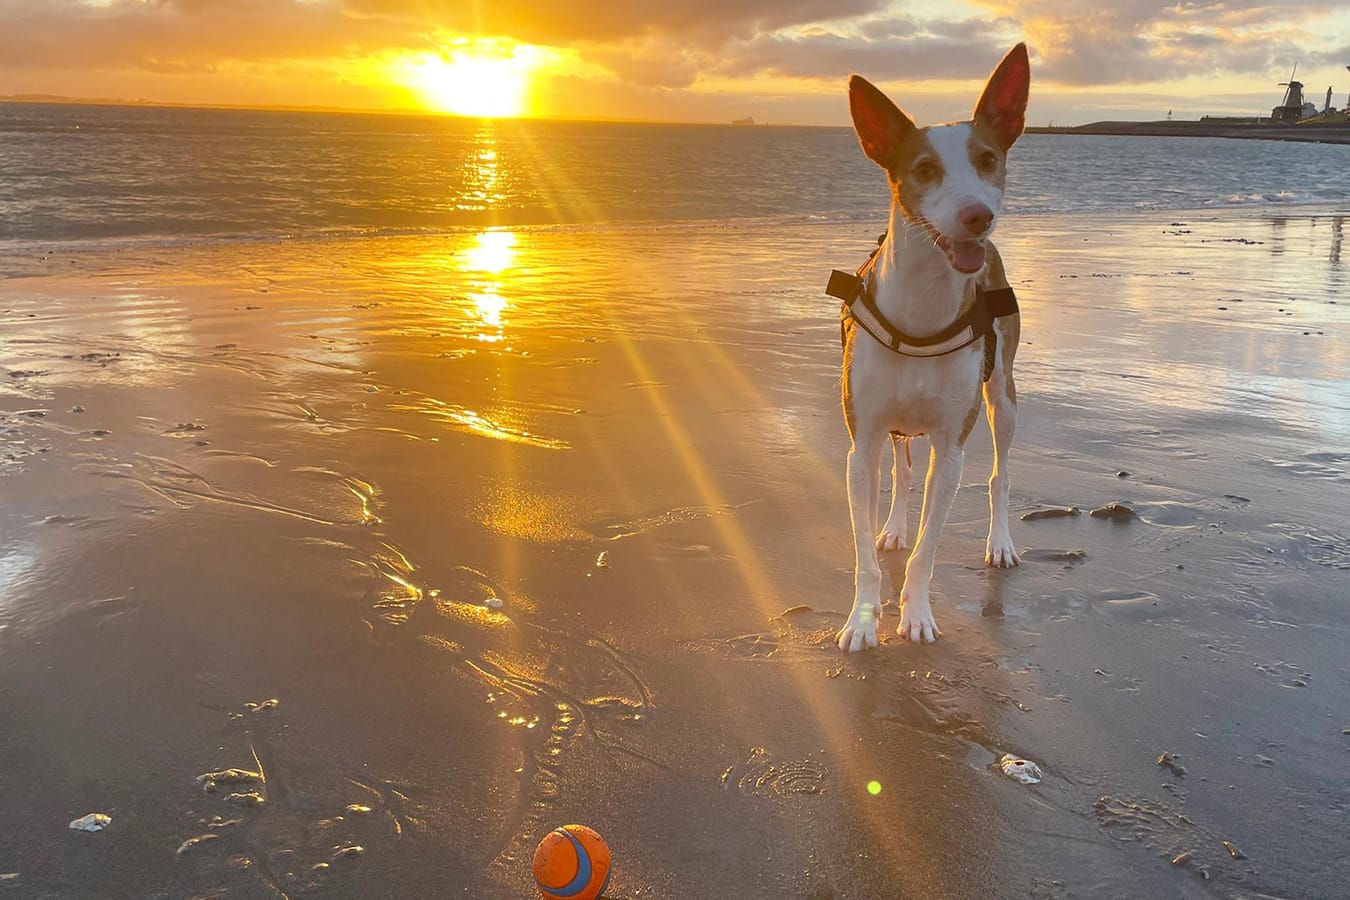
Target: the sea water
pixel 73 172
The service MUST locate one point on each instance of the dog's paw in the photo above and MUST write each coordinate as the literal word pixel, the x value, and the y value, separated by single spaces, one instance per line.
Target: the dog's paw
pixel 917 623
pixel 1000 553
pixel 860 631
pixel 891 540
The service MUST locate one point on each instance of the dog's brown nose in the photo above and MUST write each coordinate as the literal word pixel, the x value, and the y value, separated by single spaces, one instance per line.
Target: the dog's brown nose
pixel 976 218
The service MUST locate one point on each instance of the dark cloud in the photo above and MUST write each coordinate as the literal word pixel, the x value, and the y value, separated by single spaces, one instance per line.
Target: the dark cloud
pixel 923 54
pixel 187 33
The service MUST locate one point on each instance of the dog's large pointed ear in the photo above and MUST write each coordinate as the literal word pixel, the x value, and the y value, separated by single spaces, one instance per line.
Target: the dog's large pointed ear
pixel 1003 105
pixel 880 124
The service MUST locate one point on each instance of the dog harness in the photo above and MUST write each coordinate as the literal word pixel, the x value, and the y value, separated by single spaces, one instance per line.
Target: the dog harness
pixel 860 305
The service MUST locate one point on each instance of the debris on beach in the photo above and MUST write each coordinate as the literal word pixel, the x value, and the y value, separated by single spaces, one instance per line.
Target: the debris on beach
pixel 247 798
pixel 1122 474
pixel 91 822
pixel 1116 512
pixel 602 561
pixel 1018 769
pixel 1053 555
pixel 209 780
pixel 270 703
pixel 1057 512
pixel 1233 851
pixel 217 822
pixel 792 611
pixel 351 852
pixel 1182 859
pixel 193 842
pixel 358 809
pixel 1169 762
pixel 238 778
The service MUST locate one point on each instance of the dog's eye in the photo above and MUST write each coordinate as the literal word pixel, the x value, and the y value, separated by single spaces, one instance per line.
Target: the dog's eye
pixel 987 161
pixel 926 171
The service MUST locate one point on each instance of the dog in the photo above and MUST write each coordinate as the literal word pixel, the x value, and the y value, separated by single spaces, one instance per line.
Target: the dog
pixel 933 267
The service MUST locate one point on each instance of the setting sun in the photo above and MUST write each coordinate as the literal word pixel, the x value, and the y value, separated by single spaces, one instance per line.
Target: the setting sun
pixel 482 79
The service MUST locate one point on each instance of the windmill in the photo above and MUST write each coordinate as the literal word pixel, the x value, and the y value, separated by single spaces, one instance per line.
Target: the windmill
pixel 1291 110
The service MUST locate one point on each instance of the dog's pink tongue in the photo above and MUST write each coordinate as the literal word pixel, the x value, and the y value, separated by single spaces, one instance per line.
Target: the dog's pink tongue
pixel 967 256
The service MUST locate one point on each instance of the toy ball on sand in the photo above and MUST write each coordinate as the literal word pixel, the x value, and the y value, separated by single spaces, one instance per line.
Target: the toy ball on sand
pixel 572 863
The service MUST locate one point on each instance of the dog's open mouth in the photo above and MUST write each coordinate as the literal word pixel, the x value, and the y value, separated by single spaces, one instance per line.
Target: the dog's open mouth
pixel 966 257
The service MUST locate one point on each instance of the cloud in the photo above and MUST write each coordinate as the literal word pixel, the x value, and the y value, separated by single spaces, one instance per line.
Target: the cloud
pixel 185 34
pixel 881 51
pixel 1079 42
pixel 677 55
pixel 704 22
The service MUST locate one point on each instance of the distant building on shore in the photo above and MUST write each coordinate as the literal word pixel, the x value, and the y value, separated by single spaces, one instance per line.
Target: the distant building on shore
pixel 748 120
pixel 1290 109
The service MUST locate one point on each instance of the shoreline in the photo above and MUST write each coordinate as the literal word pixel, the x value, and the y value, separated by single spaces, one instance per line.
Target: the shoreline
pixel 95 247
pixel 1337 133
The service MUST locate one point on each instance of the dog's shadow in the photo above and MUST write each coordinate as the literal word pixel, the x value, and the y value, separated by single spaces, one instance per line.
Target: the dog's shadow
pixel 892 564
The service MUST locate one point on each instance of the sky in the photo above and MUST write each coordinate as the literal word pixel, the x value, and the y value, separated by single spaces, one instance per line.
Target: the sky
pixel 779 61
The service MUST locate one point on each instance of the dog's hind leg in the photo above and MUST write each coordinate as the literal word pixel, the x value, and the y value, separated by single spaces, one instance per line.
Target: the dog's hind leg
pixel 944 477
pixel 864 476
pixel 1000 399
pixel 892 535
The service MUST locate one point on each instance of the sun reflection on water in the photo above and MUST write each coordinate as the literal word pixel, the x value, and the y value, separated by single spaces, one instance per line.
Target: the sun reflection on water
pixel 490 255
pixel 482 173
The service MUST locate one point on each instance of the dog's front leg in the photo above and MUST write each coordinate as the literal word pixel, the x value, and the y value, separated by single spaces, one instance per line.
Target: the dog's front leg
pixel 864 462
pixel 944 476
pixel 1001 407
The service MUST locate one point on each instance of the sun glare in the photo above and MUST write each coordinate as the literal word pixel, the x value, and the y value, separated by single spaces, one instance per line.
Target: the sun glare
pixel 484 80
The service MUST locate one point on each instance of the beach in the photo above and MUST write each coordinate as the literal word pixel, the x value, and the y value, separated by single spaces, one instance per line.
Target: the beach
pixel 445 540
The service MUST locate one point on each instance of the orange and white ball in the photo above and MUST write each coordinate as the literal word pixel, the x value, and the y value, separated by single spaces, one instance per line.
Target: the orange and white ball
pixel 572 863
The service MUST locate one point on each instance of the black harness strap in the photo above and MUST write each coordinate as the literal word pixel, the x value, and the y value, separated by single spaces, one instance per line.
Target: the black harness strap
pixel 860 306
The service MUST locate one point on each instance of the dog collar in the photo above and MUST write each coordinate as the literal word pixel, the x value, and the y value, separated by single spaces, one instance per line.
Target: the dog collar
pixel 860 307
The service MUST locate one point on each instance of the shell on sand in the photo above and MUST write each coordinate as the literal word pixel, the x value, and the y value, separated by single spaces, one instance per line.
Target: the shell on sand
pixel 1023 770
pixel 92 822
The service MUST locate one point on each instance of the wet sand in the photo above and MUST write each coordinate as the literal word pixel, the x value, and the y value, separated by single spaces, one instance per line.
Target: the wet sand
pixel 523 529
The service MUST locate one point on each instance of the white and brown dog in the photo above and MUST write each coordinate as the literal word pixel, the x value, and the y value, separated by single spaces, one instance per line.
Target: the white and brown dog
pixel 932 269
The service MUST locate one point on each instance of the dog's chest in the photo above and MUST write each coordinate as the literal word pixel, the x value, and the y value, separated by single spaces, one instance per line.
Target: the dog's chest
pixel 912 395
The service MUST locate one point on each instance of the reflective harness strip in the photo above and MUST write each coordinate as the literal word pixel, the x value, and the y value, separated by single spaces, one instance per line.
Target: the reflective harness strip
pixel 860 305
